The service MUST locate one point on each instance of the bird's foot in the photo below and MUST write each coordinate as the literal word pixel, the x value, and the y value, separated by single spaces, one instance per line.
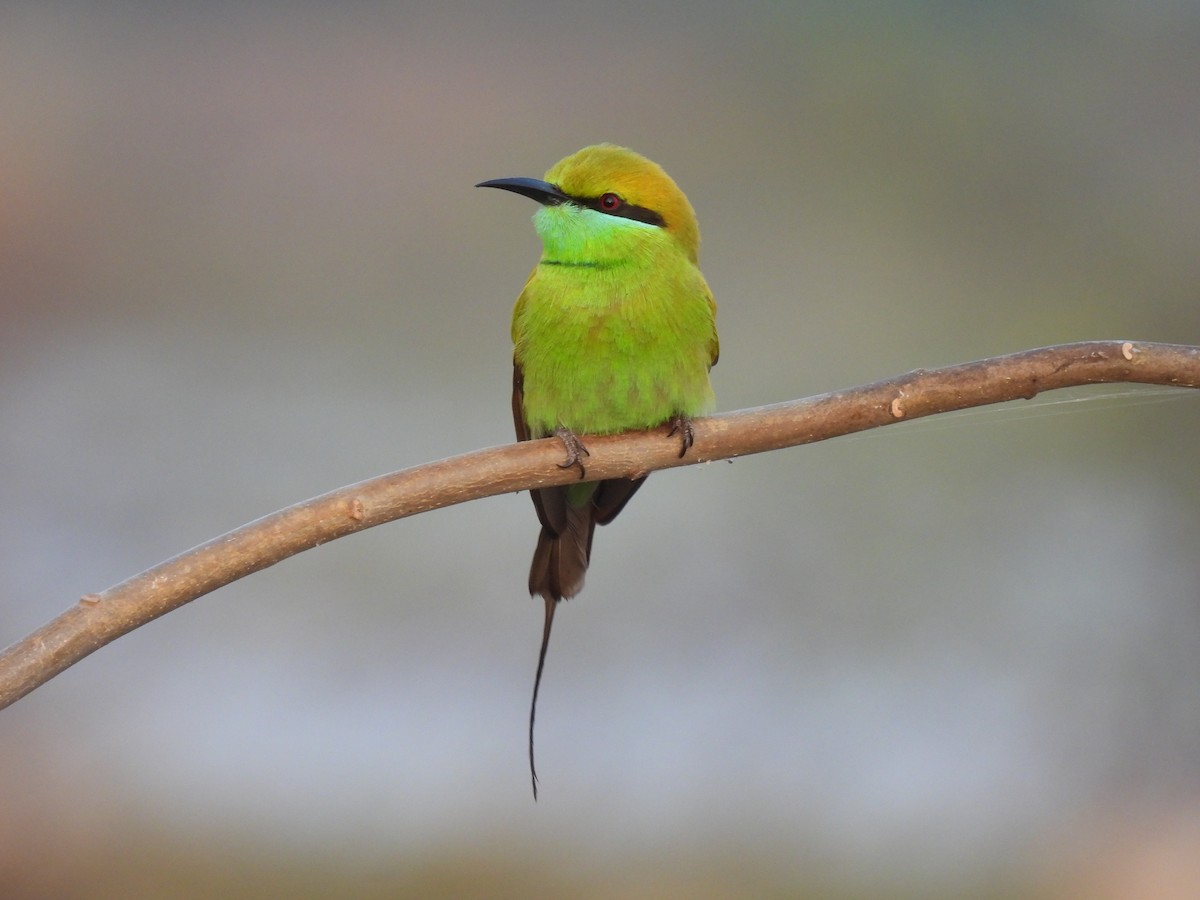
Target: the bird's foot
pixel 682 425
pixel 575 449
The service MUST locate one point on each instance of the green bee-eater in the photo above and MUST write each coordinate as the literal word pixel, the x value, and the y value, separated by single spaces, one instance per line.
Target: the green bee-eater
pixel 615 331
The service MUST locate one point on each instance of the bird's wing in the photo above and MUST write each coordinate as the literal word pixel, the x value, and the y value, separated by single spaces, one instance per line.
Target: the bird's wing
pixel 714 347
pixel 550 503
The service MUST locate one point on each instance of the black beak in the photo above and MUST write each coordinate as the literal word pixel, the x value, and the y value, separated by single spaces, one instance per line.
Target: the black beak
pixel 541 191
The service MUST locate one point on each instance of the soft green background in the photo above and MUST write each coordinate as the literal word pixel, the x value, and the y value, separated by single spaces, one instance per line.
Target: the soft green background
pixel 242 263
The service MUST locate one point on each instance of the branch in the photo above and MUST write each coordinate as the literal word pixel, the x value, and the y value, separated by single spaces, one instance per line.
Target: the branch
pixel 99 618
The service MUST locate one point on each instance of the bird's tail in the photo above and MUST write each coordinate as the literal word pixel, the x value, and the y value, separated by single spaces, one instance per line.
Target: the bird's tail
pixel 561 560
pixel 559 564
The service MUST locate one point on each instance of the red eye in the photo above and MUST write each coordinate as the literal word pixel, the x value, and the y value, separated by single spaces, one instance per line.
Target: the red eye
pixel 610 202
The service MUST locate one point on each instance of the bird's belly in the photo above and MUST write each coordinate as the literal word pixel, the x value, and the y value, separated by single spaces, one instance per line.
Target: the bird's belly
pixel 602 371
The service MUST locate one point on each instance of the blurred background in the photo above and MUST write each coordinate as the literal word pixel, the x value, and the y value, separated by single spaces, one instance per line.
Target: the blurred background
pixel 242 263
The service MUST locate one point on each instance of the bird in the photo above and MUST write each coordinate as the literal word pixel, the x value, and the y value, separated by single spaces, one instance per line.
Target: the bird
pixel 615 330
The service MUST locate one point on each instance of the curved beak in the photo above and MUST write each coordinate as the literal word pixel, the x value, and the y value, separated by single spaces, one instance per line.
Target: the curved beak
pixel 541 191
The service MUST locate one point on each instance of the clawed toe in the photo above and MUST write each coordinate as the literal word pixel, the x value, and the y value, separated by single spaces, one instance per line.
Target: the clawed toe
pixel 682 425
pixel 575 449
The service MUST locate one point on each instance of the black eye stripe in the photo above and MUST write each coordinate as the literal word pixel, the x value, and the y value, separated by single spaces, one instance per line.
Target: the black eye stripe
pixel 626 211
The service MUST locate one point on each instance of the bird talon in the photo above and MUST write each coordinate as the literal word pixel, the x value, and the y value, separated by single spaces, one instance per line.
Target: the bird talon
pixel 575 449
pixel 682 425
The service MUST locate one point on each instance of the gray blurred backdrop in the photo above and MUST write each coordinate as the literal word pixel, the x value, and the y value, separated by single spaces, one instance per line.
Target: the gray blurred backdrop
pixel 242 263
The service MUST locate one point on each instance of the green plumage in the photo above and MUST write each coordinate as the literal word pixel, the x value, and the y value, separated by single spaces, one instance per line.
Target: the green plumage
pixel 615 331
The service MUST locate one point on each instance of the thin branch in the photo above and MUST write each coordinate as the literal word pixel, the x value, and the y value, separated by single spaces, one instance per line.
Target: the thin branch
pixel 99 618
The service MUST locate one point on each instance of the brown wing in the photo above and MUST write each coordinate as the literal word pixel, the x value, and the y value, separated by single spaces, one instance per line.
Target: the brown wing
pixel 518 403
pixel 550 503
pixel 611 496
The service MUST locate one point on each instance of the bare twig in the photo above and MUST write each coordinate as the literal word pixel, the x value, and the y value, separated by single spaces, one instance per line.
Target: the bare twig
pixel 99 618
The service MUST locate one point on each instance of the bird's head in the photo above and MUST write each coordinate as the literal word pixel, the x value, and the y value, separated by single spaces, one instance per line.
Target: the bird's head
pixel 605 200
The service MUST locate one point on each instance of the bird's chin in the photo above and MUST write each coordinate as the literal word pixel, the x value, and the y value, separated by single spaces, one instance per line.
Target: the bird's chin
pixel 580 236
